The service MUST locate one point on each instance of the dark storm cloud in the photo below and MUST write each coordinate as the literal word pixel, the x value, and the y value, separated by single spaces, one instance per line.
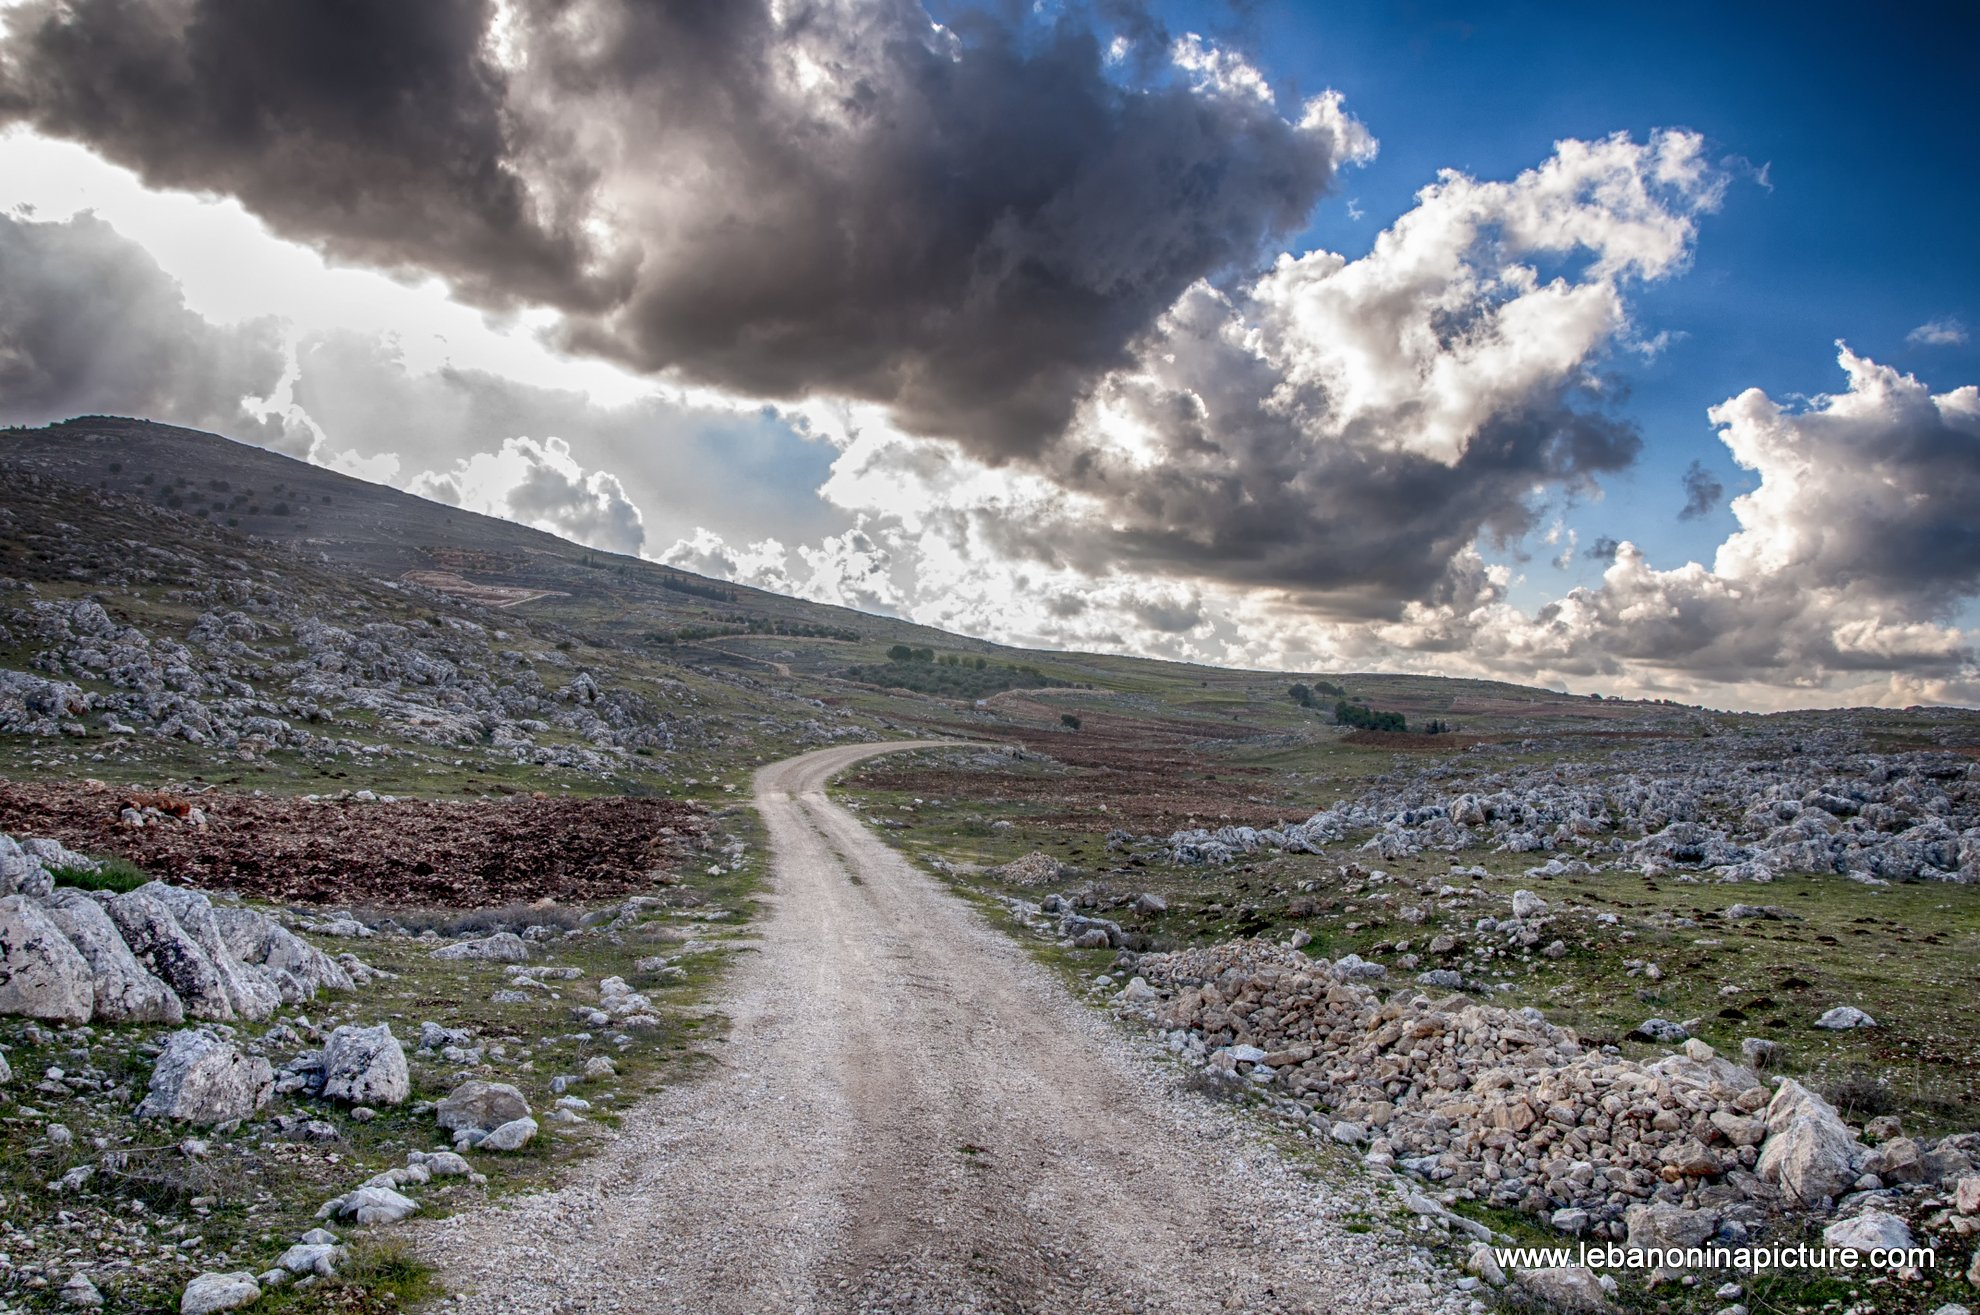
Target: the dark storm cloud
pixel 1702 492
pixel 374 128
pixel 1604 549
pixel 968 224
pixel 90 323
pixel 1361 532
pixel 1241 491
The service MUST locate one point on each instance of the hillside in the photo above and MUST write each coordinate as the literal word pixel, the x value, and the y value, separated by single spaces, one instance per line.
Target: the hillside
pixel 327 632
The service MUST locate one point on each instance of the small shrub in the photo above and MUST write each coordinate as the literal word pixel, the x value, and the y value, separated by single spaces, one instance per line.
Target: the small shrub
pixel 1067 720
pixel 1860 1095
pixel 115 876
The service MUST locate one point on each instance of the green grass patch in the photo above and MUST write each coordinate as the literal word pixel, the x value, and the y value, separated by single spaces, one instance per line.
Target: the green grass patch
pixel 112 874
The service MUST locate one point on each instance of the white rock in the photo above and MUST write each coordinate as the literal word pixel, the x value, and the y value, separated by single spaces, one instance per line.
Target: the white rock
pixel 1870 1231
pixel 441 1164
pixel 1809 1151
pixel 41 974
pixel 80 1293
pixel 1967 1194
pixel 298 969
pixel 125 990
pixel 173 956
pixel 217 1292
pixel 1843 1018
pixel 502 947
pixel 312 1258
pixel 1569 1288
pixel 370 1205
pixel 365 1066
pixel 202 1080
pixel 1485 1264
pixel 511 1136
pixel 481 1105
pixel 1525 904
pixel 251 992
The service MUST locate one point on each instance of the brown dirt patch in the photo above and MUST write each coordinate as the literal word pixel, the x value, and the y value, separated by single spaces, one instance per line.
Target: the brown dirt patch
pixel 460 854
pixel 1154 774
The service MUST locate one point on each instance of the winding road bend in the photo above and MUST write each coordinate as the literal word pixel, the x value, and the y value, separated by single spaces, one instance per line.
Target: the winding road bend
pixel 912 1116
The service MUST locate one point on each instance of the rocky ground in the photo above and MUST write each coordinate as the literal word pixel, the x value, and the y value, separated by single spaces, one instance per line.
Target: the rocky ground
pixel 211 1103
pixel 1678 991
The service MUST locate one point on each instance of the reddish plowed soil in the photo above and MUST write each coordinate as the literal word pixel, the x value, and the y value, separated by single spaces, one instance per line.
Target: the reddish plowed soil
pixel 1153 774
pixel 460 854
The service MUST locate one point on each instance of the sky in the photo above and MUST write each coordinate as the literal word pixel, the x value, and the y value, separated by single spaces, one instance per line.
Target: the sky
pixel 1624 349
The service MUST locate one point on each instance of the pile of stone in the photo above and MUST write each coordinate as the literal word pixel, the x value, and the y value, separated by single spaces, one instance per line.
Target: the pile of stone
pixel 157 954
pixel 1034 869
pixel 1793 799
pixel 1505 1107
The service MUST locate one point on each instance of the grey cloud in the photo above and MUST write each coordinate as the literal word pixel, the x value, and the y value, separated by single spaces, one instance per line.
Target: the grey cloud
pixel 1702 492
pixel 89 322
pixel 967 224
pixel 1242 493
pixel 591 510
pixel 1168 615
pixel 1603 549
pixel 374 128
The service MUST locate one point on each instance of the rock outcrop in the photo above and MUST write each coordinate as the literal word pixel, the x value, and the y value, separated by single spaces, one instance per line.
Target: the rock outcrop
pixel 41 974
pixel 157 954
pixel 125 991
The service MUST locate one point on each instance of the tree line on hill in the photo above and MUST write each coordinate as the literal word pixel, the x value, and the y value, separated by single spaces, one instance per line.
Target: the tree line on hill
pixel 1360 715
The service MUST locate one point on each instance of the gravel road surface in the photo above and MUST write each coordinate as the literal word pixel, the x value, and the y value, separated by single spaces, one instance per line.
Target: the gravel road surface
pixel 911 1116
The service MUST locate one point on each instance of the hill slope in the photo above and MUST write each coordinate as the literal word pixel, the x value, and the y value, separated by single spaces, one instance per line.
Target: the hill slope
pixel 183 606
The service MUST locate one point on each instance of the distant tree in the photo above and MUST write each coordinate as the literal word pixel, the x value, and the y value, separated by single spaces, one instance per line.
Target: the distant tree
pixel 1067 720
pixel 924 655
pixel 900 653
pixel 1302 695
pixel 981 663
pixel 1362 717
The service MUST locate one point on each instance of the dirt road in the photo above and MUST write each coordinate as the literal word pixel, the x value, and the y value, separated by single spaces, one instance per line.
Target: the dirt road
pixel 911 1116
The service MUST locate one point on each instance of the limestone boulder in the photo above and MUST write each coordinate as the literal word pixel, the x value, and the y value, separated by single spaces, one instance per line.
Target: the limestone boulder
pixel 365 1066
pixel 481 1106
pixel 41 974
pixel 1569 1288
pixel 212 1293
pixel 251 992
pixel 298 969
pixel 203 1080
pixel 172 956
pixel 1873 1230
pixel 502 947
pixel 126 991
pixel 1809 1152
